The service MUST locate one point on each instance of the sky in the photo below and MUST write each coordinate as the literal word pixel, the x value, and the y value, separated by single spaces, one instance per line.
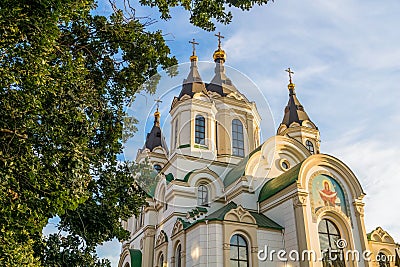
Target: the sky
pixel 345 55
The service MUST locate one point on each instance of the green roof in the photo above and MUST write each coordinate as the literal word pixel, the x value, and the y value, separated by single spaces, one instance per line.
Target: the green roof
pixel 186 178
pixel 220 213
pixel 136 257
pixel 239 170
pixel 261 220
pixel 169 177
pixel 151 188
pixel 185 223
pixel 264 221
pixel 279 183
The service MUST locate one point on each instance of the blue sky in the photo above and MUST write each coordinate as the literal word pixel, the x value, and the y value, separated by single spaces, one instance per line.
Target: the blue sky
pixel 345 55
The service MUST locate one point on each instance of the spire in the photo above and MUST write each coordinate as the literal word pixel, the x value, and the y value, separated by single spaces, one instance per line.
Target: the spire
pixel 294 111
pixel 193 83
pixel 154 137
pixel 220 83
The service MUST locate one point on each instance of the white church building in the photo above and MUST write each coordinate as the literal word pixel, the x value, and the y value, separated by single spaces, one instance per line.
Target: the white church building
pixel 223 197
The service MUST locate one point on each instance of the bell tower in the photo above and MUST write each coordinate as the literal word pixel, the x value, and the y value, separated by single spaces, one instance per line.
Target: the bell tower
pixel 296 124
pixel 193 116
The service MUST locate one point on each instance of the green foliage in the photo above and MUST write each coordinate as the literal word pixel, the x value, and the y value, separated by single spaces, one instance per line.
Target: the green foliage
pixel 67 251
pixel 65 77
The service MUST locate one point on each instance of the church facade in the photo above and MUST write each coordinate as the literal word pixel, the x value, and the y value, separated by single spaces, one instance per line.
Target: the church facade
pixel 221 197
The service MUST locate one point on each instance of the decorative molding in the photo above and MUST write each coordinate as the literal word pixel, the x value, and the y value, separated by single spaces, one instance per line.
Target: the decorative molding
pixel 226 246
pixel 178 226
pixel 162 238
pixel 300 199
pixel 254 249
pixel 332 210
pixel 149 233
pixel 359 207
pixel 240 215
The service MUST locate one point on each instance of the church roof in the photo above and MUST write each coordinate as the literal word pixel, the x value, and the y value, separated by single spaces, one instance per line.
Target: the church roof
pixel 294 111
pixel 279 183
pixel 155 137
pixel 261 220
pixel 239 170
pixel 193 83
pixel 220 83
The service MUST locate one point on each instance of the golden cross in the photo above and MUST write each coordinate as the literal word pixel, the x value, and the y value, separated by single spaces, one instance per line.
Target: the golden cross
pixel 219 39
pixel 158 101
pixel 194 43
pixel 290 74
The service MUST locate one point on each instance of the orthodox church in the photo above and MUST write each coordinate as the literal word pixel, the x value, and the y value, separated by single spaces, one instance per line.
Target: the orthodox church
pixel 221 197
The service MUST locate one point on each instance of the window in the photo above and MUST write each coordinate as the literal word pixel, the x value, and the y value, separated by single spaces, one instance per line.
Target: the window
pixel 176 133
pixel 178 256
pixel 200 130
pixel 237 138
pixel 328 237
pixel 157 167
pixel 285 165
pixel 202 195
pixel 216 135
pixel 163 199
pixel 310 146
pixel 239 255
pixel 161 260
pixel 383 260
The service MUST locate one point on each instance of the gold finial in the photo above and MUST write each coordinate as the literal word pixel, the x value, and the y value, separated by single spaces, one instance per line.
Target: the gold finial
pixel 157 113
pixel 219 54
pixel 291 84
pixel 193 56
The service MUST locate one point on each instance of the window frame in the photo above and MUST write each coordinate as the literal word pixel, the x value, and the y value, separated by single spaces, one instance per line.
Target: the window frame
pixel 178 256
pixel 333 247
pixel 310 147
pixel 161 260
pixel 157 167
pixel 237 261
pixel 200 130
pixel 237 138
pixel 381 262
pixel 176 133
pixel 201 199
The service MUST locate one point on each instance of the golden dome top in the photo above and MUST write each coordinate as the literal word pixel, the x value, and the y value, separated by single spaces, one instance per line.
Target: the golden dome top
pixel 194 58
pixel 219 54
pixel 291 86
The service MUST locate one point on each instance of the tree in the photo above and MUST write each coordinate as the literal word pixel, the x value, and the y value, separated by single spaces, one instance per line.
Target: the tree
pixel 65 77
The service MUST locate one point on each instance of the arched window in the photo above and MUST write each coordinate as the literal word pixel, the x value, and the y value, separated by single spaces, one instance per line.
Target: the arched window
pixel 328 238
pixel 237 138
pixel 200 130
pixel 383 260
pixel 310 146
pixel 163 199
pixel 161 260
pixel 239 254
pixel 178 256
pixel 202 195
pixel 157 167
pixel 176 134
